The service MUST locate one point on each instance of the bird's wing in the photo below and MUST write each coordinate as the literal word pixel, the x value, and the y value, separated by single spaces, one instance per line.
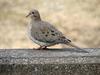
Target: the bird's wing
pixel 48 33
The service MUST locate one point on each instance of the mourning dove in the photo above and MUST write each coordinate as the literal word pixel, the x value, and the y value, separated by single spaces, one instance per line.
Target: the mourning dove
pixel 45 34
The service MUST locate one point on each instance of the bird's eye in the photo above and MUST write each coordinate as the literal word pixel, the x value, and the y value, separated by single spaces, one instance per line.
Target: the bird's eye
pixel 32 12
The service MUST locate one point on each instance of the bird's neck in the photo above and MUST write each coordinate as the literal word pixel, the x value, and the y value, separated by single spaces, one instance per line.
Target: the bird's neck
pixel 35 21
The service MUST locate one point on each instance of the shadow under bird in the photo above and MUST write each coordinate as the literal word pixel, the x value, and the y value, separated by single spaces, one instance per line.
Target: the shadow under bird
pixel 45 34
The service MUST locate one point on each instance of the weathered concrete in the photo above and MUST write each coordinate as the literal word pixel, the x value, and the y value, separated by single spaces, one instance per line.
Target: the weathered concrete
pixel 49 62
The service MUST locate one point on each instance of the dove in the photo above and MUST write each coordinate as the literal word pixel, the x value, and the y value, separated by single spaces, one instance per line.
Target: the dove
pixel 45 34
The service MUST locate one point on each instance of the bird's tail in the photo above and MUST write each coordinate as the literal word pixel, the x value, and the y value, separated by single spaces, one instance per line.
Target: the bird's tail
pixel 80 49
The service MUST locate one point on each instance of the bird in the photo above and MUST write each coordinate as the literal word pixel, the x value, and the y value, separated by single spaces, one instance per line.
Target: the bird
pixel 44 33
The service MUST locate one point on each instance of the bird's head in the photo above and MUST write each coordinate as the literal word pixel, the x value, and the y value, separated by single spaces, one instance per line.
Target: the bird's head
pixel 34 14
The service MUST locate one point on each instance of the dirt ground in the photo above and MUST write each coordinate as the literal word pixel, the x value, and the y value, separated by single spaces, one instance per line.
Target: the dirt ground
pixel 79 20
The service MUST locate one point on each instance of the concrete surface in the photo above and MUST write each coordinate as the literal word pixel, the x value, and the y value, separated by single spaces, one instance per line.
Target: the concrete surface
pixel 49 62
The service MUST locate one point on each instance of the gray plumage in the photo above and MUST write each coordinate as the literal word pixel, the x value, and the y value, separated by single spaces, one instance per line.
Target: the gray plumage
pixel 43 33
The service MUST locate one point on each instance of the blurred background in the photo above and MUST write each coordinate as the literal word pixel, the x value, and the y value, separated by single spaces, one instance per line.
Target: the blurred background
pixel 77 19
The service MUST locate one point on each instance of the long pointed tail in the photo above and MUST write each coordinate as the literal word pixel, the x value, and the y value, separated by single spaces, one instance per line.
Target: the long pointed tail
pixel 80 49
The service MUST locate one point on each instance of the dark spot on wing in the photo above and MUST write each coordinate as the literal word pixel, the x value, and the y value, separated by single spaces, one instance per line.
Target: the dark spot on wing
pixel 52 30
pixel 53 34
pixel 47 32
pixel 46 35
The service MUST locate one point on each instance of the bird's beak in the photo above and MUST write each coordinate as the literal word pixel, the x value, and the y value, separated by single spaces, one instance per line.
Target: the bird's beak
pixel 28 15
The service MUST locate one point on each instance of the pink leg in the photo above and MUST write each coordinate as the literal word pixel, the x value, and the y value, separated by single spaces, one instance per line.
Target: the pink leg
pixel 42 48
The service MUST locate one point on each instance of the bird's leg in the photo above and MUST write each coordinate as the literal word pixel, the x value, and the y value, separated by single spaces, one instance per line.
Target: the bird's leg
pixel 42 48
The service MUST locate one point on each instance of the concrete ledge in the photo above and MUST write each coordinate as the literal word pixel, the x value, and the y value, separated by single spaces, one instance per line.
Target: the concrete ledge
pixel 49 62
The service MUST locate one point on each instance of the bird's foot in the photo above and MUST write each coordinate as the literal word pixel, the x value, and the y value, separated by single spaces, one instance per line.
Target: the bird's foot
pixel 42 48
